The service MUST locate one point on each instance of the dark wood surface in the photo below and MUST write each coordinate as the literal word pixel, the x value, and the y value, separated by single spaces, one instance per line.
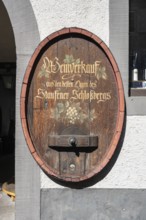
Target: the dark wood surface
pixel 72 89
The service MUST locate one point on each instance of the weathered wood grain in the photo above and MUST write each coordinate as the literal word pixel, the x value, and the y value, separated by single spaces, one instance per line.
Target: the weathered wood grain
pixel 74 89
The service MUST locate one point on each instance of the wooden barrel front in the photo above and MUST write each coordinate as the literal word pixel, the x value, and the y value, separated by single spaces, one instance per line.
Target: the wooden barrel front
pixel 72 105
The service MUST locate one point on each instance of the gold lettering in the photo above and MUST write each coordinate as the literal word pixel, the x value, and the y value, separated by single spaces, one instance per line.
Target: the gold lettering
pixel 97 64
pixel 83 95
pixel 93 85
pixel 80 84
pixel 56 95
pixel 67 84
pixel 70 69
pixel 50 84
pixel 41 94
pixel 76 95
pixel 83 67
pixel 108 96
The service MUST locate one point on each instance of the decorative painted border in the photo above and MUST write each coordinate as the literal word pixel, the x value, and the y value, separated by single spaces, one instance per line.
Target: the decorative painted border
pixel 121 112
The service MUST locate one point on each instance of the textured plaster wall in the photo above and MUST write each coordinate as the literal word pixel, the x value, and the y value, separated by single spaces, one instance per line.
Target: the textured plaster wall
pixel 53 15
pixel 130 167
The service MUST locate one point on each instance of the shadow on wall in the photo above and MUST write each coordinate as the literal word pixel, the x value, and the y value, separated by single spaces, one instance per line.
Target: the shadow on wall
pixel 103 173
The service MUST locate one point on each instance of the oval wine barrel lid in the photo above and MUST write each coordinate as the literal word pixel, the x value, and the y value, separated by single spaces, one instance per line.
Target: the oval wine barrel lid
pixel 72 105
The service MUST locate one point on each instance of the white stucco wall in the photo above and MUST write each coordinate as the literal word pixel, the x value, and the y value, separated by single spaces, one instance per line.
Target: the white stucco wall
pixel 130 168
pixel 54 15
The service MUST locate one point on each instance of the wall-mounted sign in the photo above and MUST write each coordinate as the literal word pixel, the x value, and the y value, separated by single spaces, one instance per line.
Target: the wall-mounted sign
pixel 72 105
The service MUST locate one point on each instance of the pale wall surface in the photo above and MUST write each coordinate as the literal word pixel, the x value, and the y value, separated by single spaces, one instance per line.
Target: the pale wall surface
pixel 53 15
pixel 130 167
